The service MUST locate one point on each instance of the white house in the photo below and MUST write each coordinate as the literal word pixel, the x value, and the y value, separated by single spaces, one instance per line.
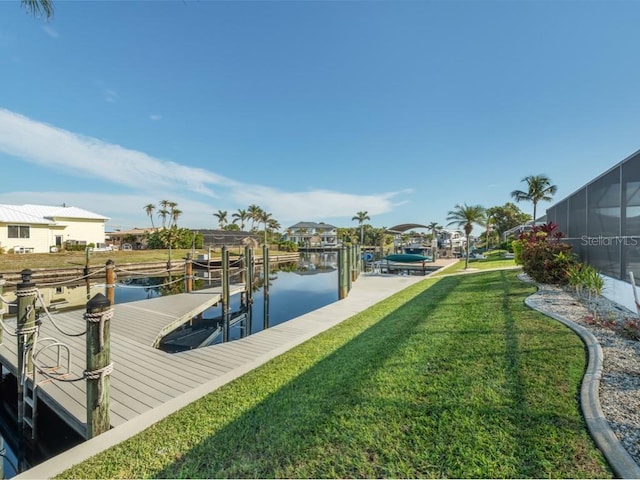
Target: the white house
pixel 313 234
pixel 38 228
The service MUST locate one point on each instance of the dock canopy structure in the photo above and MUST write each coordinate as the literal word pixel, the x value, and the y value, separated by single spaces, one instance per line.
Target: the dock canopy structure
pixel 403 227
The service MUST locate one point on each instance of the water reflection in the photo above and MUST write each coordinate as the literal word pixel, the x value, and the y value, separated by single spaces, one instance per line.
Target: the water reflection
pixel 286 292
pixel 293 290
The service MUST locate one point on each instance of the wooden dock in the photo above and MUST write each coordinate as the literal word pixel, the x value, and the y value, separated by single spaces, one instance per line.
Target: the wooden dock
pixel 143 377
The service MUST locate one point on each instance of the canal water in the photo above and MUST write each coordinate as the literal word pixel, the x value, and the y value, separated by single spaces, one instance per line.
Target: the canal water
pixel 293 290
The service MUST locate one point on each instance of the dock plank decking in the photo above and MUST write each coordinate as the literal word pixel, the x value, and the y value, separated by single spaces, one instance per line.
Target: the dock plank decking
pixel 144 377
pixel 146 381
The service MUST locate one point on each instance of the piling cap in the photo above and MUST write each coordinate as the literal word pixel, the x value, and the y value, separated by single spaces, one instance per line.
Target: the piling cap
pixel 26 279
pixel 98 301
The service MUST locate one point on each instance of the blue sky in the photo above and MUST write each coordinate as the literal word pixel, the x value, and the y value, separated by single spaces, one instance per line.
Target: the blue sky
pixel 313 110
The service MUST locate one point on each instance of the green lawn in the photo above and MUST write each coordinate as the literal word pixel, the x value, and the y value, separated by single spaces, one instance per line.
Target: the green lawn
pixel 478 264
pixel 453 377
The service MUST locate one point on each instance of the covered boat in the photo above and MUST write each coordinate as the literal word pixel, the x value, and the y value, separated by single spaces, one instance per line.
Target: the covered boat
pixel 407 257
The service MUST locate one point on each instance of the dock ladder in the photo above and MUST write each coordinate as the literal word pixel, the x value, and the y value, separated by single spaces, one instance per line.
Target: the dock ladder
pixel 28 407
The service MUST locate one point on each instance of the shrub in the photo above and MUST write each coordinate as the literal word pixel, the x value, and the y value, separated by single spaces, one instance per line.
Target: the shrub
pixel 288 246
pixel 543 256
pixel 517 246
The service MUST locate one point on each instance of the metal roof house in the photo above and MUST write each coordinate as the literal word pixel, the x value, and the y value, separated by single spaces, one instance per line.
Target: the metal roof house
pixel 39 228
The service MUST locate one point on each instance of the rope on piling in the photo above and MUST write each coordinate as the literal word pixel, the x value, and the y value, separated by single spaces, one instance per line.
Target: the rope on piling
pixel 100 318
pixel 99 374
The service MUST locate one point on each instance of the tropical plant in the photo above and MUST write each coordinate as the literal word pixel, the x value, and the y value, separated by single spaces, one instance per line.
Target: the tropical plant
pixel 240 216
pixel 175 214
pixel 149 208
pixel 539 188
pixel 221 215
pixel 543 256
pixel 254 212
pixel 434 227
pixel 506 217
pixel 361 217
pixel 265 218
pixel 174 237
pixel 38 7
pixel 164 212
pixel 464 216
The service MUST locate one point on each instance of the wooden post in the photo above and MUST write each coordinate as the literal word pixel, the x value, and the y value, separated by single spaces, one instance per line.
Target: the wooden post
pixel 354 264
pixel 26 293
pixel 265 261
pixel 110 282
pixel 250 274
pixel 342 286
pixel 188 273
pixel 225 293
pixel 99 364
pixel 86 261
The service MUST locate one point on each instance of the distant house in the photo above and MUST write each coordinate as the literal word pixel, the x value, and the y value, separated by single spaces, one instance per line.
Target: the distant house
pixel 39 228
pixel 312 234
pixel 229 238
pixel 136 237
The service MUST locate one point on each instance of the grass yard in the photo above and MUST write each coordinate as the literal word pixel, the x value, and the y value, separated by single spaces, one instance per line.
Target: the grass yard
pixel 453 377
pixel 478 264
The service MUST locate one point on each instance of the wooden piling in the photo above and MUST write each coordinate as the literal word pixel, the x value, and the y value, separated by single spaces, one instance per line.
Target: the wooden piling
pixel 99 365
pixel 225 293
pixel 342 272
pixel 110 282
pixel 26 293
pixel 265 285
pixel 248 254
pixel 188 273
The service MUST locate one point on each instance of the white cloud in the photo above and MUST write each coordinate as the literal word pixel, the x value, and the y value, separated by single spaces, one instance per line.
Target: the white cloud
pixel 49 30
pixel 314 204
pixel 53 147
pixel 110 95
pixel 151 179
pixel 155 117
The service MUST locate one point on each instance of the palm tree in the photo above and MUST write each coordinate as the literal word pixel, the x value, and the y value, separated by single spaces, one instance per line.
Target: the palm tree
pixel 175 214
pixel 222 218
pixel 539 188
pixel 163 213
pixel 254 214
pixel 434 227
pixel 35 7
pixel 241 216
pixel 149 208
pixel 361 217
pixel 464 216
pixel 265 218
